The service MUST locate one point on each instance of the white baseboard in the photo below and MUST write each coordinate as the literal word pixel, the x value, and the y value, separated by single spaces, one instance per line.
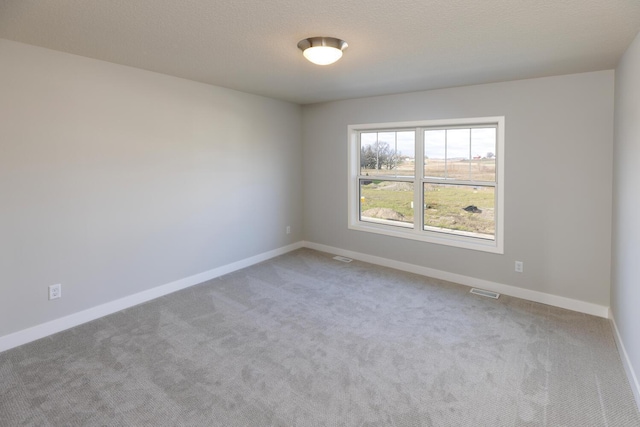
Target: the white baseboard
pixel 541 297
pixel 626 362
pixel 45 329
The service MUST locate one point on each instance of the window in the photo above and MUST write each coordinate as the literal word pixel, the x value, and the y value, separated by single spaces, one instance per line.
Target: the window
pixel 436 181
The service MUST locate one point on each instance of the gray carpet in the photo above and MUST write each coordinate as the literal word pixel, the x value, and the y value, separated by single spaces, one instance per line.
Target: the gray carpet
pixel 304 340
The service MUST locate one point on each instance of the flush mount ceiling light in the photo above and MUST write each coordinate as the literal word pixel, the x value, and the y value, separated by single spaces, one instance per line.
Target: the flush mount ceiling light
pixel 322 50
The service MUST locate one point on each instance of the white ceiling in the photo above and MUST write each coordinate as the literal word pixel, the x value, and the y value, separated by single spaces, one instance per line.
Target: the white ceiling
pixel 394 45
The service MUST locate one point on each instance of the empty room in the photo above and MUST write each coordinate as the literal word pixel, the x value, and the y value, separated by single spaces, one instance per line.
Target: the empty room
pixel 294 213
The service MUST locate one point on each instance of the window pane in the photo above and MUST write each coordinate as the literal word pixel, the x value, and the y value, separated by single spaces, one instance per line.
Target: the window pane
pixel 483 149
pixel 434 153
pixel 458 148
pixel 367 141
pixel 386 202
pixel 406 153
pixel 460 209
pixel 387 153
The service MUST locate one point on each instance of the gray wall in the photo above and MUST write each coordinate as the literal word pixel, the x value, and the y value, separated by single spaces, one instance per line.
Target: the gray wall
pixel 625 283
pixel 559 134
pixel 114 180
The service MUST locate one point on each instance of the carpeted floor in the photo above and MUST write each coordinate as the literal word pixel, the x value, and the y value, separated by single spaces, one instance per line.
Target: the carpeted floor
pixel 304 340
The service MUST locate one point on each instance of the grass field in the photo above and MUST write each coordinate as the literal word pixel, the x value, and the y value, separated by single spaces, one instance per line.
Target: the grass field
pixel 443 204
pixel 477 170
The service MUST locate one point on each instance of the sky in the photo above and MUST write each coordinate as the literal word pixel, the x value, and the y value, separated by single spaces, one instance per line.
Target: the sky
pixel 404 141
pixel 458 143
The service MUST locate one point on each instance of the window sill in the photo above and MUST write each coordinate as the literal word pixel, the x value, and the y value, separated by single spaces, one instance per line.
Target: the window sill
pixel 457 240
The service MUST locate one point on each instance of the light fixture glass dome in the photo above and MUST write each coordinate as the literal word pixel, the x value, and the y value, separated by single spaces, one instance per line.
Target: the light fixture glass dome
pixel 322 50
pixel 322 55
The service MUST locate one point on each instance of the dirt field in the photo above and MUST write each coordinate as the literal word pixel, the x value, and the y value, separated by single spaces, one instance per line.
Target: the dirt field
pixel 444 205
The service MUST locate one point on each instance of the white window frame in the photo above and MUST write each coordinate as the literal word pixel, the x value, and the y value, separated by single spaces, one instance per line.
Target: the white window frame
pixel 456 239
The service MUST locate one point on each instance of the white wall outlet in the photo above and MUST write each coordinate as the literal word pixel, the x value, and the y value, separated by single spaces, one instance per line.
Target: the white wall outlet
pixel 55 291
pixel 519 266
pixel 288 229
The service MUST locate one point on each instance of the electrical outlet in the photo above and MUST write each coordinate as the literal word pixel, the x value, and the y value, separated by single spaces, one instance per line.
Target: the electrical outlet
pixel 519 266
pixel 55 291
pixel 288 230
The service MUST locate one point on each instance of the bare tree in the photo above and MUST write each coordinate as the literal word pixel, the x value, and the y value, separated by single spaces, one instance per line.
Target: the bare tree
pixel 379 155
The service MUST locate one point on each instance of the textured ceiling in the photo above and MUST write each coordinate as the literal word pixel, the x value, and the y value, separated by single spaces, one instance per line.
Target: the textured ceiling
pixel 394 45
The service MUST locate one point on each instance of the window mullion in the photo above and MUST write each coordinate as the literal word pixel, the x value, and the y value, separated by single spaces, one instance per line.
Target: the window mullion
pixel 446 152
pixel 417 187
pixel 460 182
pixel 470 156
